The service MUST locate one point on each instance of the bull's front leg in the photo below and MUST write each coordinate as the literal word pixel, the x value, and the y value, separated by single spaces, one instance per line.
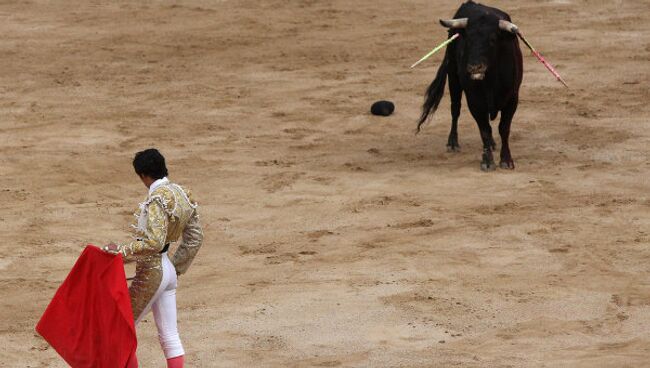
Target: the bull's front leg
pixel 479 109
pixel 490 137
pixel 487 160
pixel 504 130
pixel 483 122
pixel 493 144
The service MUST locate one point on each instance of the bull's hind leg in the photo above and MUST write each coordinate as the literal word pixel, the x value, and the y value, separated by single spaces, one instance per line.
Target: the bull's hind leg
pixel 456 94
pixel 504 131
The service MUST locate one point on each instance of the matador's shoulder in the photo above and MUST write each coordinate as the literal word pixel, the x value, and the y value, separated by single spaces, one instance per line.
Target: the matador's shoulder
pixel 189 194
pixel 168 194
pixel 163 195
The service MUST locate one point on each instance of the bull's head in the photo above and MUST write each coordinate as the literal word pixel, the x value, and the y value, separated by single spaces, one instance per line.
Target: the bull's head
pixel 481 35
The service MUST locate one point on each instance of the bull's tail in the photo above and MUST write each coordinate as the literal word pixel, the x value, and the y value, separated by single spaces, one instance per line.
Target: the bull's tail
pixel 434 93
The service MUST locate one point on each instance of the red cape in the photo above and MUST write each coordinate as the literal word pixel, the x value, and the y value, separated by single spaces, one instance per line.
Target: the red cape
pixel 89 321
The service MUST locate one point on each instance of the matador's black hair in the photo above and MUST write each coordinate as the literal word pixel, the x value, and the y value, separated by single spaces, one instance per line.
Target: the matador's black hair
pixel 150 163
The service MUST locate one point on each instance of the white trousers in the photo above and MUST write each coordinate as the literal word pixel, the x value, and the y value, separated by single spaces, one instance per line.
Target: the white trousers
pixel 163 305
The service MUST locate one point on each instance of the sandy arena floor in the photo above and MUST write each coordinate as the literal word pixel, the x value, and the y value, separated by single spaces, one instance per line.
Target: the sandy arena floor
pixel 334 238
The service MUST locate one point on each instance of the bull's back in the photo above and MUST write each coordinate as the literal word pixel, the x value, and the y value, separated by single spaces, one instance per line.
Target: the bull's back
pixel 470 8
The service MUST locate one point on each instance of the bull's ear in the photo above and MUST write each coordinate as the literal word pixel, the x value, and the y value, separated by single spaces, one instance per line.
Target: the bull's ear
pixel 454 23
pixel 508 27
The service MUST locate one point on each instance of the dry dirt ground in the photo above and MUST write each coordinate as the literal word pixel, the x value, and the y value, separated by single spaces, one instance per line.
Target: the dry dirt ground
pixel 334 238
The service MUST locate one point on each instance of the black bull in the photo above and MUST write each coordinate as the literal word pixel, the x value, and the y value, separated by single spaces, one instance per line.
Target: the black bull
pixel 485 62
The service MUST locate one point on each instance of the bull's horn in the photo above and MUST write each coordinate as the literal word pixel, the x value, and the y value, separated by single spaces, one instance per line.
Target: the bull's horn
pixel 454 23
pixel 509 27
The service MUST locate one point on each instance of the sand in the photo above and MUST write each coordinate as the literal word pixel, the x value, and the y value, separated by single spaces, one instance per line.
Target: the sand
pixel 334 238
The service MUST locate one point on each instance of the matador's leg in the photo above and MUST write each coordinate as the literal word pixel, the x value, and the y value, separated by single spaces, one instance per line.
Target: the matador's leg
pixel 148 276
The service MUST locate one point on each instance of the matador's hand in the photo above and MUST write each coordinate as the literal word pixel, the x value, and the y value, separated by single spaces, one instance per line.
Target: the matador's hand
pixel 111 248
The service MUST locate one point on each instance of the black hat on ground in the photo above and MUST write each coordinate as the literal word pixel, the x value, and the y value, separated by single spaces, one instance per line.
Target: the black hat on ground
pixel 382 108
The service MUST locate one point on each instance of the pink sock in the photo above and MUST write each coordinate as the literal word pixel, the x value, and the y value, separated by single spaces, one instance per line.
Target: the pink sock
pixel 133 362
pixel 176 362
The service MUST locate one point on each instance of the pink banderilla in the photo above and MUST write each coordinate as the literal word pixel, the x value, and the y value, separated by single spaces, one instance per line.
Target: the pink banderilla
pixel 542 60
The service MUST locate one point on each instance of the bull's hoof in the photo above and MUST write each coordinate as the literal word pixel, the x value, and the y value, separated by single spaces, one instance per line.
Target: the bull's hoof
pixel 508 165
pixel 453 148
pixel 487 161
pixel 488 166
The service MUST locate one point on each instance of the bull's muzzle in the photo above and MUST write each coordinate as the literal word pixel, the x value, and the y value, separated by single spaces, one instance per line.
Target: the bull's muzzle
pixel 477 76
pixel 477 72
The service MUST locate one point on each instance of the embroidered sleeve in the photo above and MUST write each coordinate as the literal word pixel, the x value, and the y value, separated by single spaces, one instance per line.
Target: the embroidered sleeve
pixel 154 235
pixel 192 241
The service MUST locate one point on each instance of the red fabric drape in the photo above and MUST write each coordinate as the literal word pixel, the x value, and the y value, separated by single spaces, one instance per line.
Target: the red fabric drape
pixel 89 321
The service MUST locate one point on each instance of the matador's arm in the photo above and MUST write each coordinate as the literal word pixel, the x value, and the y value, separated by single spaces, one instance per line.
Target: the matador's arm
pixel 153 237
pixel 192 241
